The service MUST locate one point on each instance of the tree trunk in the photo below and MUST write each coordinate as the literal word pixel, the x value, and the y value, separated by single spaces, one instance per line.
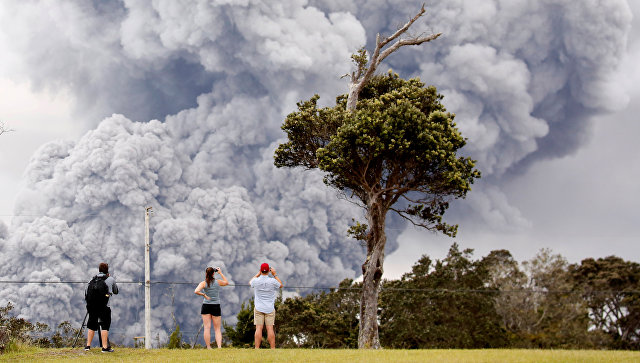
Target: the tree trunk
pixel 372 275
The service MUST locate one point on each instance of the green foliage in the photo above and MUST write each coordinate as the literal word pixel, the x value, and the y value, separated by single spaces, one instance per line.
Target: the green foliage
pixel 399 143
pixel 22 331
pixel 459 302
pixel 360 59
pixel 610 288
pixel 538 305
pixel 358 231
pixel 64 335
pixel 15 346
pixel 25 333
pixel 243 334
pixel 321 320
pixel 396 150
pixel 175 339
pixel 445 304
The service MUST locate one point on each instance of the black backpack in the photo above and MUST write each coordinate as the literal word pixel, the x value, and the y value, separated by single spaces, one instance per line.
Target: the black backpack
pixel 97 294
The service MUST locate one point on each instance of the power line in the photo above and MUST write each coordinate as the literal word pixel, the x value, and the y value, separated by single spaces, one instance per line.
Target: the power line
pixel 61 282
pixel 47 215
pixel 352 288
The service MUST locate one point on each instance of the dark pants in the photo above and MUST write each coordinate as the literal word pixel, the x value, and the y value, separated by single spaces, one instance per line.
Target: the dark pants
pixel 103 314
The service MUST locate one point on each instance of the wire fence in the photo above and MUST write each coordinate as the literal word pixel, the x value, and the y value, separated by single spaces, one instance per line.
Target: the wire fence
pixel 329 288
pixel 179 306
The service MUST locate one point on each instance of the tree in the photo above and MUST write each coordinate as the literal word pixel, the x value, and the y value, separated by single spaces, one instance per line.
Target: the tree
pixel 611 288
pixel 387 139
pixel 560 319
pixel 321 320
pixel 396 151
pixel 242 335
pixel 175 339
pixel 514 301
pixel 538 304
pixel 445 304
pixel 363 74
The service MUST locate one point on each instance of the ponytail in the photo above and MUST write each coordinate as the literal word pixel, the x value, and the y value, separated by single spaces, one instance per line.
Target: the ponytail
pixel 208 276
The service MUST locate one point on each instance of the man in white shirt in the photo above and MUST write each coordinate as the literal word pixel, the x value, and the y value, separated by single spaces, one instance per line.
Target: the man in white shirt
pixel 264 313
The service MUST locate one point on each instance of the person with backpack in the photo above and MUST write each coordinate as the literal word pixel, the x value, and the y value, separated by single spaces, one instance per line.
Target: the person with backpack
pixel 210 311
pixel 100 288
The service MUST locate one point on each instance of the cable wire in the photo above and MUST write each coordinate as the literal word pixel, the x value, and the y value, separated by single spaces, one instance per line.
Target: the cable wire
pixel 350 288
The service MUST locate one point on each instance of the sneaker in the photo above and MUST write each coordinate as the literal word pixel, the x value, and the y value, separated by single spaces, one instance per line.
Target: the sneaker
pixel 107 350
pixel 87 348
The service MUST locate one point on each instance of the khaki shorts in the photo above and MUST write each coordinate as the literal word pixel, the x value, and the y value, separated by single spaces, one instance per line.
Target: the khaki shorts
pixel 260 318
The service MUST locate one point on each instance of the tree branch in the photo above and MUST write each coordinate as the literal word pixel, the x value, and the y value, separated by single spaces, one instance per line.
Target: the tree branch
pixel 358 82
pixel 342 195
pixel 425 226
pixel 4 129
pixel 403 42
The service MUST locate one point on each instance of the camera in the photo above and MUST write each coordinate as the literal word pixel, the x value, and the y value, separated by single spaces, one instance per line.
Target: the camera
pixel 216 269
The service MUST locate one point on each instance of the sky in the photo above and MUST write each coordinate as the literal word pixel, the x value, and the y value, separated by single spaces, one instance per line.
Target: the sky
pixel 117 105
pixel 580 205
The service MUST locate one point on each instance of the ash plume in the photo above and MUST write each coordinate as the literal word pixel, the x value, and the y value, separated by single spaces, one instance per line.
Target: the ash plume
pixel 216 79
pixel 524 78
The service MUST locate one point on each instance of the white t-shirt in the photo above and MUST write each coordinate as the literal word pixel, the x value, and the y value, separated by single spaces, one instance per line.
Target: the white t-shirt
pixel 265 288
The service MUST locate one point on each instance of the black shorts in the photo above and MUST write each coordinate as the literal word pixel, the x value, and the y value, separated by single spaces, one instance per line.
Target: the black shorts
pixel 102 314
pixel 211 309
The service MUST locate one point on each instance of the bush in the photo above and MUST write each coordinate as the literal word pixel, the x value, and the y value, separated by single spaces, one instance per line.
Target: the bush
pixel 175 339
pixel 4 338
pixel 243 334
pixel 13 346
pixel 21 331
pixel 64 335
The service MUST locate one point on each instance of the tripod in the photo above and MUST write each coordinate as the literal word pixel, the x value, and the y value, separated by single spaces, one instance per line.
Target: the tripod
pixel 81 329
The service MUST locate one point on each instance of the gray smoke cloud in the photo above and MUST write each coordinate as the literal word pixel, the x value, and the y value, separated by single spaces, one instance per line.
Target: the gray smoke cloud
pixel 523 78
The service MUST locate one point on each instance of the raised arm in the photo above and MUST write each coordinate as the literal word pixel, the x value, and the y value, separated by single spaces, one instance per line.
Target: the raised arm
pixel 224 281
pixel 275 276
pixel 254 277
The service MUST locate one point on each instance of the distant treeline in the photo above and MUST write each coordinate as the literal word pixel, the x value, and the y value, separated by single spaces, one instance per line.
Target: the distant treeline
pixel 456 302
pixel 459 302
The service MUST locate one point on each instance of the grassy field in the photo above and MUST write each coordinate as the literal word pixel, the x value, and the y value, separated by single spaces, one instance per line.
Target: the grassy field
pixel 320 355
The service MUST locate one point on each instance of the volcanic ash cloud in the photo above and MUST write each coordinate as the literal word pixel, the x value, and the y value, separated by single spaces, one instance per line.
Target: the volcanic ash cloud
pixel 524 78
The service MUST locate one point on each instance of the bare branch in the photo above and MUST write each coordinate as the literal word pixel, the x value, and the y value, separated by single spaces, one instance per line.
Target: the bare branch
pixel 360 79
pixel 342 195
pixel 403 42
pixel 4 129
pixel 401 30
pixel 429 198
pixel 425 226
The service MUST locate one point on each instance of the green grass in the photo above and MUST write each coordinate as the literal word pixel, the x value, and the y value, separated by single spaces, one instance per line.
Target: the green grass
pixel 319 355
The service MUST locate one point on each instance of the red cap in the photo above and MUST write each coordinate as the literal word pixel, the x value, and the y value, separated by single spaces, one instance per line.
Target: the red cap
pixel 264 267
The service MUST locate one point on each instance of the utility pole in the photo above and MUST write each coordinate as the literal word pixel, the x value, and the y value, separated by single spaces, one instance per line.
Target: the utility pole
pixel 147 282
